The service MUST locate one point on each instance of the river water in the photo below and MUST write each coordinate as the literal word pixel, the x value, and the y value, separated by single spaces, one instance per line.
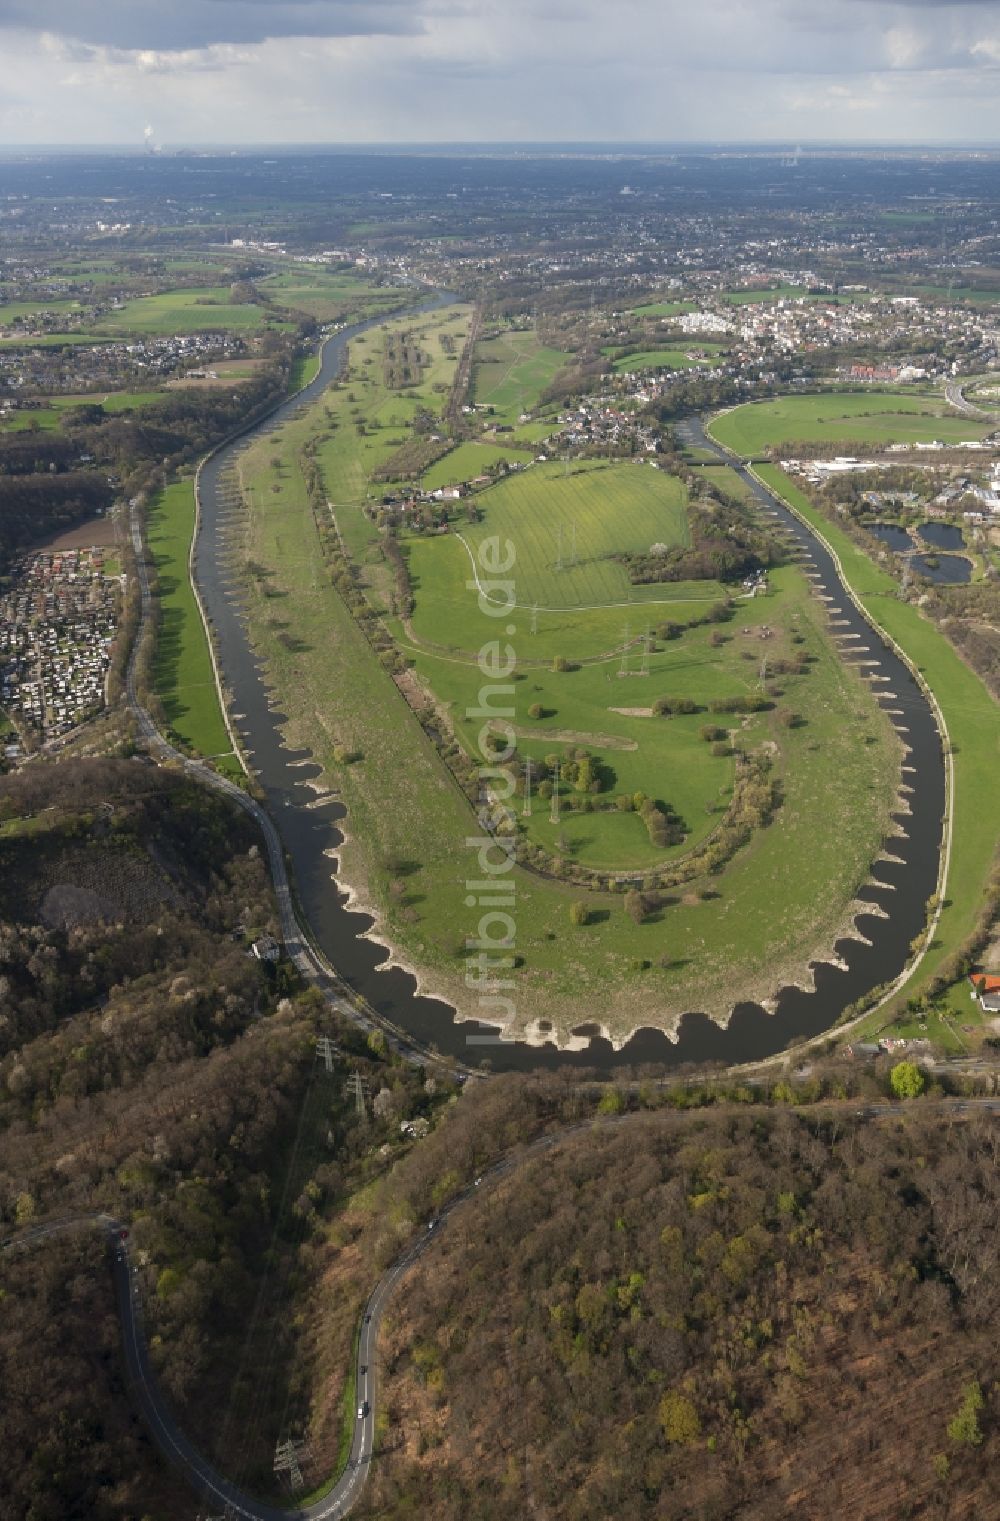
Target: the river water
pixel 309 832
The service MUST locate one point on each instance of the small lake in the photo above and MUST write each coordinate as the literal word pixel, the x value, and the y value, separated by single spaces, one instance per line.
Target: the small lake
pixel 942 535
pixel 948 570
pixel 895 537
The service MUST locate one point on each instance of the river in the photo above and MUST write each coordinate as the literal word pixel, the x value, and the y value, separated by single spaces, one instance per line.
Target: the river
pixel 310 833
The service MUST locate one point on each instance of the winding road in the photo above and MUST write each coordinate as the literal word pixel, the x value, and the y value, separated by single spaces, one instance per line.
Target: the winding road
pixel 346 1491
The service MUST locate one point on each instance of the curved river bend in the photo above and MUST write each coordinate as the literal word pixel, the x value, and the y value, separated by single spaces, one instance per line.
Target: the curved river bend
pixel 309 832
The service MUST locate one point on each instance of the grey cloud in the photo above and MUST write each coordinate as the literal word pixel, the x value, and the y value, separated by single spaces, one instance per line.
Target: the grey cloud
pixel 184 24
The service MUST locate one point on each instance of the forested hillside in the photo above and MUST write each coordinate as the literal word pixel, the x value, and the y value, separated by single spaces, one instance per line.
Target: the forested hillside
pixel 134 1059
pixel 704 1317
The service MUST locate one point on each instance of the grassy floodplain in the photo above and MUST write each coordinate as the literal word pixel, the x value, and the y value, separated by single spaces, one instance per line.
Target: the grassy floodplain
pixel 183 675
pixel 969 712
pixel 868 417
pixel 780 902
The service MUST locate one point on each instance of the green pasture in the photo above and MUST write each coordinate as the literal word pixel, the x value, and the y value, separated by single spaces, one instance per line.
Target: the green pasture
pixel 970 714
pixel 660 359
pixel 579 521
pixel 511 372
pixel 869 417
pixel 16 311
pixel 664 308
pixel 182 670
pixel 447 618
pixel 755 297
pixel 182 311
pixel 47 340
pixel 467 462
pixel 50 414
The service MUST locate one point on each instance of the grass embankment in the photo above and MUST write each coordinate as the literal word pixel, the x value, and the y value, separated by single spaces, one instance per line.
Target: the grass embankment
pixel 848 417
pixel 304 370
pixel 182 672
pixel 969 712
pixel 782 900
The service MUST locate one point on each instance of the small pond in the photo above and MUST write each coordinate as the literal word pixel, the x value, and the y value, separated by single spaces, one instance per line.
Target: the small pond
pixel 945 570
pixel 942 535
pixel 891 534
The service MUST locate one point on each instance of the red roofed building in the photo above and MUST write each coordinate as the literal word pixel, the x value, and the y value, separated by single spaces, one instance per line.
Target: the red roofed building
pixel 986 988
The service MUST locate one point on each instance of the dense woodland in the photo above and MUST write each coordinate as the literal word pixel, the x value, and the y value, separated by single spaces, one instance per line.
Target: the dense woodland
pixel 704 1317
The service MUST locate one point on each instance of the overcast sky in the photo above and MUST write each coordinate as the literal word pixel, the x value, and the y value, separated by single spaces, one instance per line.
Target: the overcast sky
pixel 252 71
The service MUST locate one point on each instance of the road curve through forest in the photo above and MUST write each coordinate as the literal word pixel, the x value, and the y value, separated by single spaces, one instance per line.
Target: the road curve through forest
pixel 346 1491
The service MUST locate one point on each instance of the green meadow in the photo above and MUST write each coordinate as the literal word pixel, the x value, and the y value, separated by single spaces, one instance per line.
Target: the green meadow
pixel 664 308
pixel 468 462
pixel 50 414
pixel 511 373
pixel 182 311
pixel 868 417
pixel 182 671
pixel 661 359
pixel 15 311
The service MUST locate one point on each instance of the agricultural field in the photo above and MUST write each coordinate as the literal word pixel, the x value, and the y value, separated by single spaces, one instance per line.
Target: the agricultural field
pixel 469 461
pixel 183 311
pixel 566 530
pixel 511 373
pixel 661 359
pixel 50 413
pixel 664 309
pixel 182 673
pixel 847 417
